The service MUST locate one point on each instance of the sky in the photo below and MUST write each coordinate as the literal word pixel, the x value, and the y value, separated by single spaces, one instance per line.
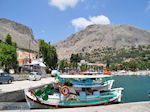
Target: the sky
pixel 55 20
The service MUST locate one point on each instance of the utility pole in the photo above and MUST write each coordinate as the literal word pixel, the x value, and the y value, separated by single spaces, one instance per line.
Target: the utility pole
pixel 29 50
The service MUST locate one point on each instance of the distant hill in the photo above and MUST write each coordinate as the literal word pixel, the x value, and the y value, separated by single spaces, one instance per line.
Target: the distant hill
pixel 100 36
pixel 20 33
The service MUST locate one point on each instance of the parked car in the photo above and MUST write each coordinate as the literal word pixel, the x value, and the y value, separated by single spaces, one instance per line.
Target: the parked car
pixel 5 77
pixel 34 76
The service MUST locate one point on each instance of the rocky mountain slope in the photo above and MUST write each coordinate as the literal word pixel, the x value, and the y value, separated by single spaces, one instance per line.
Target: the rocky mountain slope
pixel 21 34
pixel 98 36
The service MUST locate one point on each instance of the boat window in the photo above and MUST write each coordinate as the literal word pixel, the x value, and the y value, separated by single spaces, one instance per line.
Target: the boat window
pixel 89 91
pixel 83 89
pixel 96 93
pixel 88 80
pixel 37 74
pixel 84 81
pixel 82 94
pixel 32 73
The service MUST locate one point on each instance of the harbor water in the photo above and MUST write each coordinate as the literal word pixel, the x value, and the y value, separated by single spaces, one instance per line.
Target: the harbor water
pixel 136 88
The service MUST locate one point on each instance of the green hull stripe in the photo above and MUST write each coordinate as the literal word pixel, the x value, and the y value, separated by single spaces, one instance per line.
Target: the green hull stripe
pixel 88 102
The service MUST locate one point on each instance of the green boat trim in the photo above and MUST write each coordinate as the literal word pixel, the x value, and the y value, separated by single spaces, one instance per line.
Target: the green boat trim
pixel 86 102
pixel 95 97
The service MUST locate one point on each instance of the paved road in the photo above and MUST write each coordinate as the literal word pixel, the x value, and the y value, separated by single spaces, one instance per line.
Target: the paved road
pixel 126 107
pixel 18 85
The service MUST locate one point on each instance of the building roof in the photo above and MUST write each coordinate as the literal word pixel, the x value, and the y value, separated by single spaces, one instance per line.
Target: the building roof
pixel 36 63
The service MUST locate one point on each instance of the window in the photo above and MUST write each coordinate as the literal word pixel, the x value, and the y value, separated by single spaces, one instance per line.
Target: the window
pixel 4 74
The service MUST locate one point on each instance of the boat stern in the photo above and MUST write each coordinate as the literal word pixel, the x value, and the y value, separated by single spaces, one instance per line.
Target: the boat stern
pixel 119 93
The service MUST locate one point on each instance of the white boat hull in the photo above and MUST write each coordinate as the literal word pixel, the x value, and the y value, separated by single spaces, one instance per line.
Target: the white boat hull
pixel 33 102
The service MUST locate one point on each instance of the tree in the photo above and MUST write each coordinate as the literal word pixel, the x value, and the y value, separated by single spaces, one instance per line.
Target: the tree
pixel 62 65
pixel 48 53
pixel 133 65
pixel 8 57
pixel 148 65
pixel 8 54
pixel 140 48
pixel 52 57
pixel 8 39
pixel 83 68
pixel 113 67
pixel 107 59
pixel 107 64
pixel 14 44
pixel 75 58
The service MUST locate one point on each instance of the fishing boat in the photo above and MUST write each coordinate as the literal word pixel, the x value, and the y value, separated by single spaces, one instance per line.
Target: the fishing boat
pixel 94 82
pixel 62 93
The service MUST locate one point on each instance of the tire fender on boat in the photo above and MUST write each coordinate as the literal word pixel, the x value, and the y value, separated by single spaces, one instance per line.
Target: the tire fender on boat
pixel 65 90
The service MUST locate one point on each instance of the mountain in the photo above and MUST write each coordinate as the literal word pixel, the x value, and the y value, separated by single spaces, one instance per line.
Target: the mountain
pixel 100 36
pixel 20 34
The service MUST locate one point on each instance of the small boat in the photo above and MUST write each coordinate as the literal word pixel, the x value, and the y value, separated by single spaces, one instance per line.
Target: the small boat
pixel 149 95
pixel 102 86
pixel 107 72
pixel 64 93
pixel 94 82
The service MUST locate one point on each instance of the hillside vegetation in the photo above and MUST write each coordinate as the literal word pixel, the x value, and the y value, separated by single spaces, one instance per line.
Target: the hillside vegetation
pixel 130 58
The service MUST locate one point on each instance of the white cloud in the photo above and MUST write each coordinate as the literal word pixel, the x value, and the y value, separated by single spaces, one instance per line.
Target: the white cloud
pixel 82 22
pixel 100 19
pixel 63 4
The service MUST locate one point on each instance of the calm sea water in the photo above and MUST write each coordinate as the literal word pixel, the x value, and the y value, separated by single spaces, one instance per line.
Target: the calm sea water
pixel 136 88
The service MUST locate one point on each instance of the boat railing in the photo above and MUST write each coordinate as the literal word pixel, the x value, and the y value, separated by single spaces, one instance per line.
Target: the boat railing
pixel 87 83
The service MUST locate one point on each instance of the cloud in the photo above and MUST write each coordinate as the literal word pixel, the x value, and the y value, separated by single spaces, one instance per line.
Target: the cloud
pixel 63 4
pixel 80 23
pixel 99 19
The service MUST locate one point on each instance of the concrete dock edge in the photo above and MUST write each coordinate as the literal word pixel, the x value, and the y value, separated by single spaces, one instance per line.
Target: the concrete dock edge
pixel 123 107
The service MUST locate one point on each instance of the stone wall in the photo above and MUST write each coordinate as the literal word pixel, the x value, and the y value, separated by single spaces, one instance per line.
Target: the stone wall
pixel 18 77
